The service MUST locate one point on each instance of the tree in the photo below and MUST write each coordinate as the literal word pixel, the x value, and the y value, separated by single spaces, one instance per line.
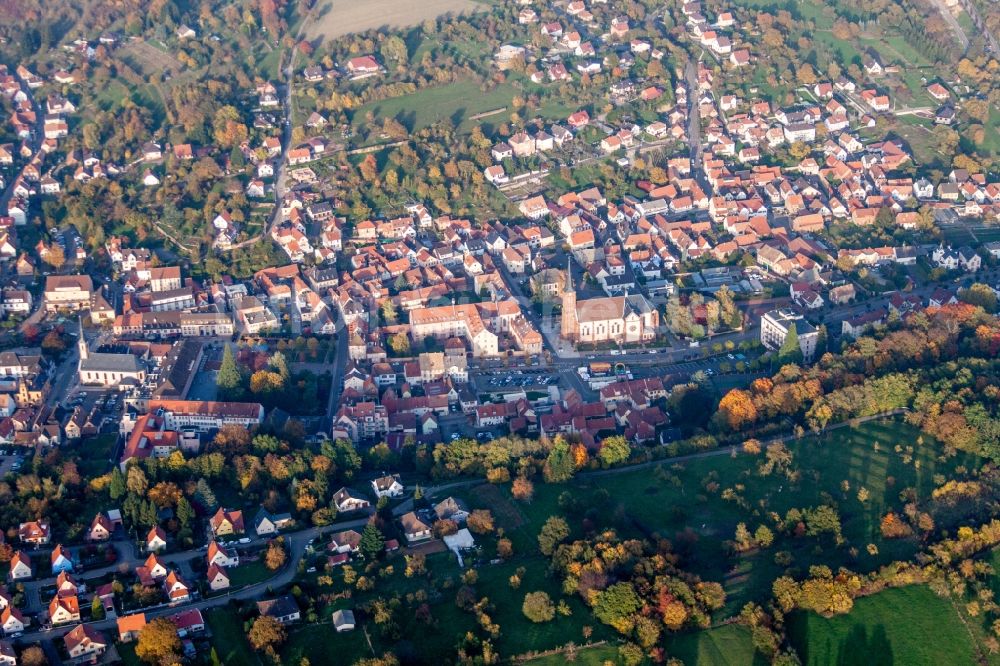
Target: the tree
pixel 97 608
pixel 736 410
pixel 266 633
pixel 55 257
pixel 400 344
pixel 136 481
pixel 522 489
pixel 53 343
pixel 228 380
pixel 617 605
pixel 538 607
pixel 980 295
pixel 559 465
pixel 184 512
pixel 116 487
pixel 228 129
pixel 33 656
pixel 790 351
pixel 279 364
pixel 763 536
pixel 159 642
pixel 614 450
pixel 372 541
pixel 553 532
pixel 275 557
pixel 394 49
pixel 480 521
pixel 165 494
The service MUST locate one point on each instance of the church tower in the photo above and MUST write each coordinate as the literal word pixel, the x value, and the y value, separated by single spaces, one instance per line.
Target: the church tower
pixel 569 323
pixel 81 342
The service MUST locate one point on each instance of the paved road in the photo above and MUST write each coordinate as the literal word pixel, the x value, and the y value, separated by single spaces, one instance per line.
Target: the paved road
pixel 295 541
pixel 34 141
pixel 973 12
pixel 952 22
pixel 337 376
pixel 694 124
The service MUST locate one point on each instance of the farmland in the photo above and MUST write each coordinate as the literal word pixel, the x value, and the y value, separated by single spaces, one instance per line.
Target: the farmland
pixel 336 18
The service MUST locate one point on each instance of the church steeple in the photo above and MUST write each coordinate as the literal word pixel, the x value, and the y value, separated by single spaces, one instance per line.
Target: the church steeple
pixel 81 342
pixel 568 330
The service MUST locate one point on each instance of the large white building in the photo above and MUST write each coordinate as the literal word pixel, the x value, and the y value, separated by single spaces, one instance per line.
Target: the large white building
pixel 205 415
pixel 480 324
pixel 774 328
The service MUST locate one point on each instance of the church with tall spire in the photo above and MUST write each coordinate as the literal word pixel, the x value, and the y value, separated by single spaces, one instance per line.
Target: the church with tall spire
pixel 568 329
pixel 118 370
pixel 622 319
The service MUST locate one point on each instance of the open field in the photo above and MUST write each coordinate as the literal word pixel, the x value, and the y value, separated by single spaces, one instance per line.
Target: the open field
pixel 457 101
pixel 230 637
pixel 892 627
pixel 149 58
pixel 336 18
pixel 729 645
pixel 685 504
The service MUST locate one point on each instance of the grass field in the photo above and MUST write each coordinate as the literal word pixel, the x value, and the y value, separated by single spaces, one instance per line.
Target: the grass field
pixel 724 646
pixel 992 142
pixel 594 656
pixel 685 503
pixel 456 101
pixel 336 18
pixel 892 627
pixel 729 645
pixel 229 638
pixel 248 574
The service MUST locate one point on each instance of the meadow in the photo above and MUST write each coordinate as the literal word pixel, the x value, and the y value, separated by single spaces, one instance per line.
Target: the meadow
pixel 892 627
pixel 336 18
pixel 456 101
pixel 698 504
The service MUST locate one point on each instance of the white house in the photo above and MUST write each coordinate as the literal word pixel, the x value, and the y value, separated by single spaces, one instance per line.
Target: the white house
pixel 387 486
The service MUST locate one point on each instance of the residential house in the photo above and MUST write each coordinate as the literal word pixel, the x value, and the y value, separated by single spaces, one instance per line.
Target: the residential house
pixel 84 643
pixel 156 539
pixel 283 609
pixel 346 501
pixel 225 522
pixel 387 486
pixel 413 528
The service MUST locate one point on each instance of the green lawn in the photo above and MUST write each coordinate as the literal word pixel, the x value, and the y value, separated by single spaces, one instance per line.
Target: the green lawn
pixel 319 643
pixel 521 635
pixel 248 574
pixel 992 142
pixel 95 453
pixel 229 638
pixel 729 645
pixel 456 101
pixel 595 656
pixel 685 504
pixel 910 625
